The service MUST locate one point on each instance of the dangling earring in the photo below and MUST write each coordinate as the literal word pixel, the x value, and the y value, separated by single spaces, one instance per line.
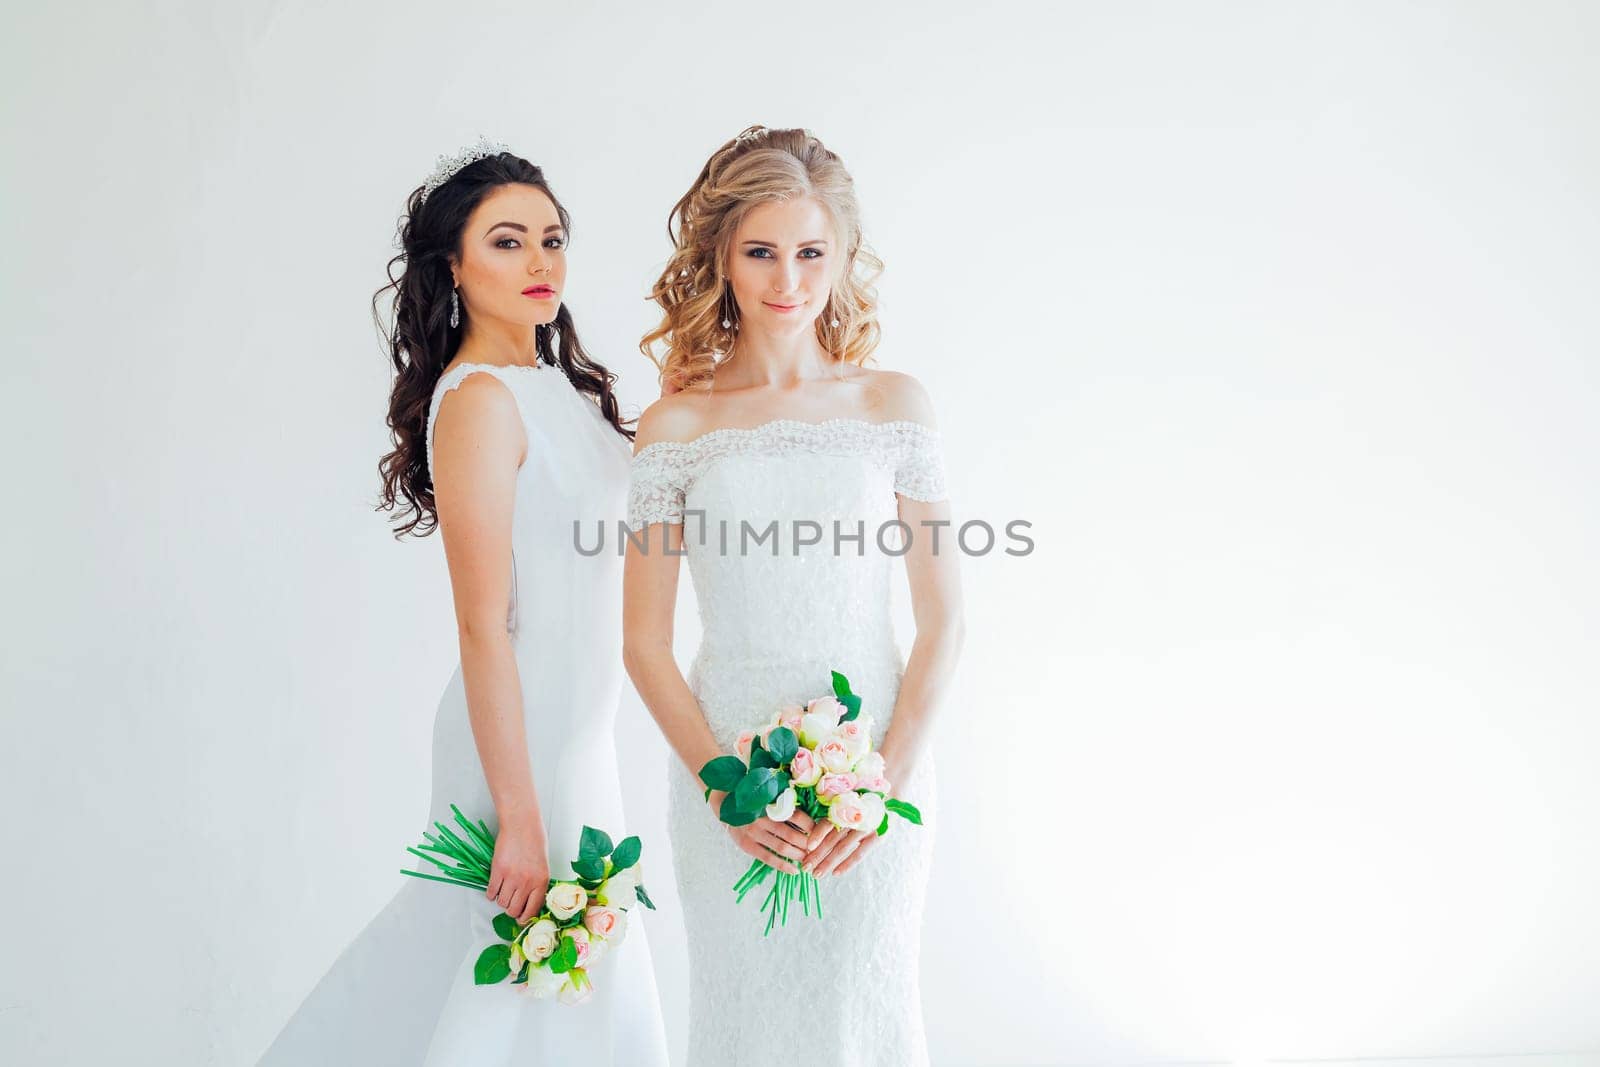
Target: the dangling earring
pixel 834 322
pixel 455 309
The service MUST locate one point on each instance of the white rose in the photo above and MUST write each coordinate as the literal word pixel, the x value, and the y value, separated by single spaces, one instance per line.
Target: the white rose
pixel 870 767
pixel 540 940
pixel 517 958
pixel 617 891
pixel 578 990
pixel 872 803
pixel 543 982
pixel 780 810
pixel 816 728
pixel 566 899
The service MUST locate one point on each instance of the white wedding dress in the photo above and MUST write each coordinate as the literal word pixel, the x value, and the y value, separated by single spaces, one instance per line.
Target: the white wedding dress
pixel 402 992
pixel 774 625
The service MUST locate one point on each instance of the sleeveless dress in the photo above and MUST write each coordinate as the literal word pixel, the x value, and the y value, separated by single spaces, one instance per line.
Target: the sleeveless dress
pixel 777 616
pixel 402 992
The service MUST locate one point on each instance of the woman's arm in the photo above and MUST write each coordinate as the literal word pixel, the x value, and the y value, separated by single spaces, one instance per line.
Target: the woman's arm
pixel 478 445
pixel 935 583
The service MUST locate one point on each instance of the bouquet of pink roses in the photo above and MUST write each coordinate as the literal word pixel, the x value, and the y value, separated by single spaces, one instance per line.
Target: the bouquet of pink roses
pixel 583 916
pixel 817 759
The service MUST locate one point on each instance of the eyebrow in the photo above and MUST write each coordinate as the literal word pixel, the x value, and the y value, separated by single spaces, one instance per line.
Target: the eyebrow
pixel 554 228
pixel 803 244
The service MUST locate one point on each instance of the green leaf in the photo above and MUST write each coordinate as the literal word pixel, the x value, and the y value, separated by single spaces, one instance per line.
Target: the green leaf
pixel 626 855
pixel 505 926
pixel 592 868
pixel 758 788
pixel 733 815
pixel 494 963
pixel 722 773
pixel 908 812
pixel 883 827
pixel 760 757
pixel 783 744
pixel 522 975
pixel 565 956
pixel 841 685
pixel 594 843
pixel 852 707
pixel 644 898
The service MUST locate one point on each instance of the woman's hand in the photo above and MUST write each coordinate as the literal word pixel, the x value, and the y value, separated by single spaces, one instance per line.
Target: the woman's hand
pixel 831 850
pixel 519 871
pixel 780 845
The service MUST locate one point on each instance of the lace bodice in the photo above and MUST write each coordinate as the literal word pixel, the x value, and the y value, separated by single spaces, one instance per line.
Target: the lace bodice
pixel 789 530
pixel 663 472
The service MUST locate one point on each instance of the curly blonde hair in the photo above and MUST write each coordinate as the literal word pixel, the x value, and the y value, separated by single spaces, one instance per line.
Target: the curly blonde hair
pixel 759 166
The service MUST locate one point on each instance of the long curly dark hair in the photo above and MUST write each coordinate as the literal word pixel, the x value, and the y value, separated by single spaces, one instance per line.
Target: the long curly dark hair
pixel 422 343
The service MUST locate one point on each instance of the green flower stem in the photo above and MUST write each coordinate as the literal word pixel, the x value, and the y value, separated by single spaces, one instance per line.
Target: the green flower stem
pixel 462 872
pixel 450 881
pixel 480 833
pixel 482 858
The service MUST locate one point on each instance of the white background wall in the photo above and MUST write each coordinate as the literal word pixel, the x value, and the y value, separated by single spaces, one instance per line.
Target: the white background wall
pixel 1277 320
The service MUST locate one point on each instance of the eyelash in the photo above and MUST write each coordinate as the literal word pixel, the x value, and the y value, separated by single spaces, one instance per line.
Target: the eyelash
pixel 753 253
pixel 560 242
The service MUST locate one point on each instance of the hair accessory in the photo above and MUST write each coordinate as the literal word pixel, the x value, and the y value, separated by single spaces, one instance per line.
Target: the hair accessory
pixel 448 165
pixel 753 133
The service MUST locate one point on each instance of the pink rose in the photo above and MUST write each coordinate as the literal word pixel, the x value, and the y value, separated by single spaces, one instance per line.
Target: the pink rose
pixel 826 706
pixel 743 744
pixel 804 768
pixel 580 937
pixel 856 737
pixel 836 785
pixel 849 813
pixel 835 756
pixel 790 715
pixel 600 921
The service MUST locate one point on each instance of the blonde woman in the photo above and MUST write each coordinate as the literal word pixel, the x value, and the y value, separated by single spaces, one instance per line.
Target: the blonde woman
pixel 778 464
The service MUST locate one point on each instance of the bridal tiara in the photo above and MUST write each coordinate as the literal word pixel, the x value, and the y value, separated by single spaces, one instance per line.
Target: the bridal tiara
pixel 448 165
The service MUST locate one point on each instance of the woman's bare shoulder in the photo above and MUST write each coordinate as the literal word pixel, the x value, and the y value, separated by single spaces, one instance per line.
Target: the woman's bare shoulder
pixel 680 416
pixel 899 396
